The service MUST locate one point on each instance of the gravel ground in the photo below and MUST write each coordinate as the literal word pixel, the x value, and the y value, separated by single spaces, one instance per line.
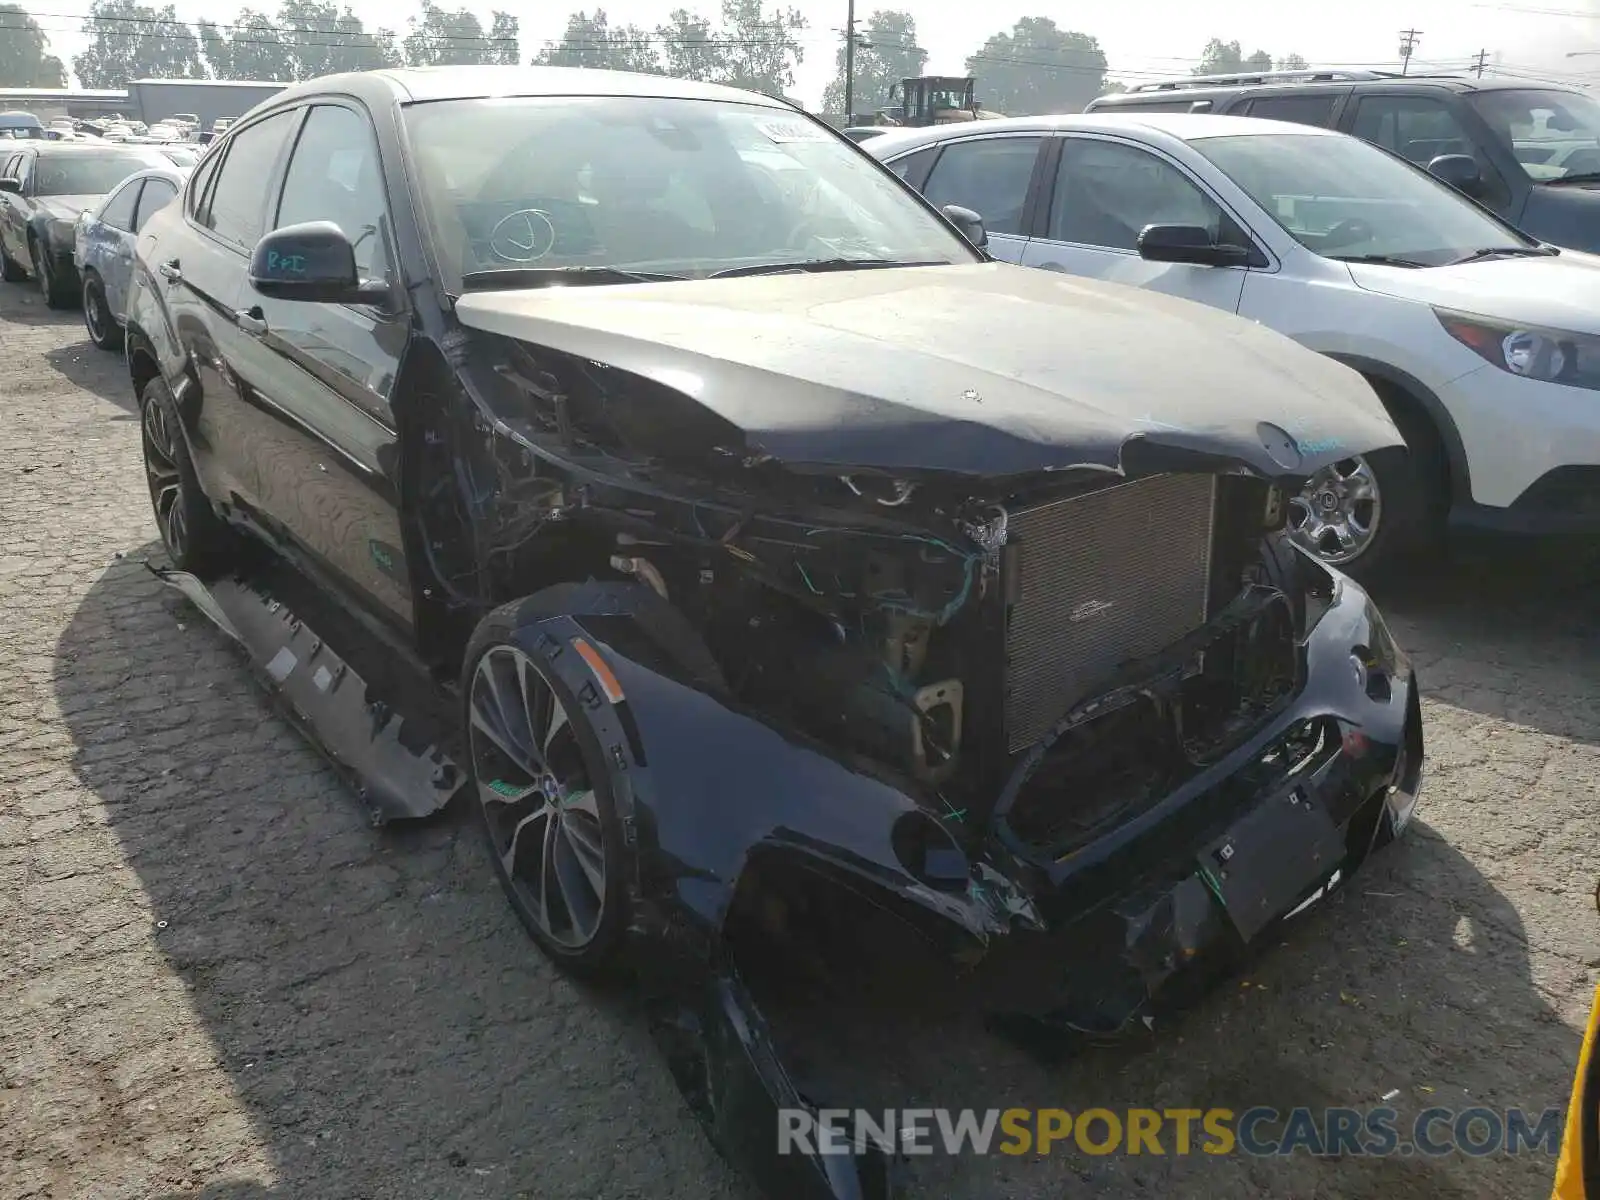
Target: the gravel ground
pixel 217 979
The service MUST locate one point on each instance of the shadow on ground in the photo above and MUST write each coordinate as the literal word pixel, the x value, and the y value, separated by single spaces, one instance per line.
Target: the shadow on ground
pixel 1509 631
pixel 98 371
pixel 389 1030
pixel 377 1011
pixel 25 306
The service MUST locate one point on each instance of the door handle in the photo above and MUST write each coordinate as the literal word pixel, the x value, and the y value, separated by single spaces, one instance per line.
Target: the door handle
pixel 170 272
pixel 251 320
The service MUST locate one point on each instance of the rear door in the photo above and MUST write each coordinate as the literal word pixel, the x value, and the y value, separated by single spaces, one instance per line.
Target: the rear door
pixel 106 244
pixel 155 195
pixel 329 454
pixel 1102 194
pixel 11 209
pixel 994 176
pixel 202 272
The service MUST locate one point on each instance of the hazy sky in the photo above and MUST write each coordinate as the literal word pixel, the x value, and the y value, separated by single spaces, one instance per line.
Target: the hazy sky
pixel 1143 39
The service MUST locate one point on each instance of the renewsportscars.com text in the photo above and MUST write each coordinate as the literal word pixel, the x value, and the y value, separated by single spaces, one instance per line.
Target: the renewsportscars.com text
pixel 1260 1132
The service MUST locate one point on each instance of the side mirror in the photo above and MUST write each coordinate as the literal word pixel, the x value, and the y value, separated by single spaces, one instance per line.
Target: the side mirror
pixel 1188 244
pixel 1460 171
pixel 968 222
pixel 312 261
pixel 14 186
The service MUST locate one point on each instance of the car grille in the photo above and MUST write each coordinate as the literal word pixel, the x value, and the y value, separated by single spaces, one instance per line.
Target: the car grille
pixel 1097 580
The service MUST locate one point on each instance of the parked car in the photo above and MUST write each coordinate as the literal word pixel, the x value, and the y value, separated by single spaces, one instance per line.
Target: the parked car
pixel 862 133
pixel 1528 151
pixel 21 126
pixel 1483 343
pixel 43 188
pixel 103 248
pixel 799 574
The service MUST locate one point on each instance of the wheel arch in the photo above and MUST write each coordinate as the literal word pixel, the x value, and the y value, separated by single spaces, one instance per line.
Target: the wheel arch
pixel 1419 406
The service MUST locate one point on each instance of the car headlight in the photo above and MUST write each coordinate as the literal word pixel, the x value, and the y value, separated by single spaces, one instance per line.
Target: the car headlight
pixel 1548 355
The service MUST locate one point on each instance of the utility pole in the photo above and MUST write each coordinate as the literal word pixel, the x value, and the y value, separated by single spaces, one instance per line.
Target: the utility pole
pixel 1481 57
pixel 850 64
pixel 1408 42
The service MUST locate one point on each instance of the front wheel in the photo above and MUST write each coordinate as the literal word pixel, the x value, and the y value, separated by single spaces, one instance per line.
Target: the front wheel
pixel 56 292
pixel 1363 513
pixel 544 796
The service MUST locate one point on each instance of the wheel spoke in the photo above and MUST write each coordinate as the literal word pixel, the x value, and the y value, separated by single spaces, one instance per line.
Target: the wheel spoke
pixel 509 858
pixel 587 849
pixel 490 727
pixel 581 891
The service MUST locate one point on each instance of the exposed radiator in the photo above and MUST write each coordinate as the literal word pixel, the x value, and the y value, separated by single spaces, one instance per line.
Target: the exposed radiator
pixel 1096 580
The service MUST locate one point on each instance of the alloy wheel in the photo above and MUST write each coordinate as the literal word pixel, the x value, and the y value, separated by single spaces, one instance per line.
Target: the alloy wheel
pixel 166 482
pixel 95 315
pixel 1337 514
pixel 537 797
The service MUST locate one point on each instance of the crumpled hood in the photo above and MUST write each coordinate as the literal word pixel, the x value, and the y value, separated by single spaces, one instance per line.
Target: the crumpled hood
pixel 1557 292
pixel 985 369
pixel 65 208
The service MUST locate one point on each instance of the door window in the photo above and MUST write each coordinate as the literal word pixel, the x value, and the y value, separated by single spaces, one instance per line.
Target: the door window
pixel 13 168
pixel 201 180
pixel 913 166
pixel 157 194
pixel 1302 110
pixel 988 175
pixel 333 176
pixel 1414 127
pixel 118 212
pixel 1107 192
pixel 238 200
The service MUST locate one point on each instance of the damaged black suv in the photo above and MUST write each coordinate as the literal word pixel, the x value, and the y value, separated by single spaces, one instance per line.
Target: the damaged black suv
pixel 645 461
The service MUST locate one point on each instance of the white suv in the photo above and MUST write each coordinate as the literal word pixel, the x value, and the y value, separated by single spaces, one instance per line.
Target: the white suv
pixel 1483 344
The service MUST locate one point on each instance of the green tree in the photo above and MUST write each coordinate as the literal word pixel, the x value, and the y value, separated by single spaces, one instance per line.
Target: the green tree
pixel 886 53
pixel 690 47
pixel 444 37
pixel 1291 62
pixel 1038 68
pixel 504 30
pixel 24 61
pixel 251 48
pixel 761 47
pixel 1228 58
pixel 590 41
pixel 134 41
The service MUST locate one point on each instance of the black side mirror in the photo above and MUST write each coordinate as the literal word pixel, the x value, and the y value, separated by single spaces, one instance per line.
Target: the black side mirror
pixel 968 222
pixel 311 261
pixel 14 186
pixel 1188 244
pixel 1460 171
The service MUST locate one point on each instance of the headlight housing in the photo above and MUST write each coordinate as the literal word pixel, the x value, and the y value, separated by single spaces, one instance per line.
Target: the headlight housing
pixel 1547 355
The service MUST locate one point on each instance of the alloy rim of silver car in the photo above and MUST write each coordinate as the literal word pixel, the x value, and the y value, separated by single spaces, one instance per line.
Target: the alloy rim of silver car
pixel 166 481
pixel 541 807
pixel 95 315
pixel 1339 511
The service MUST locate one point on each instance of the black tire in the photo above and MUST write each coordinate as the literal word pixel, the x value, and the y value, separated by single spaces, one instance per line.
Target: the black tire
pixel 97 319
pixel 196 539
pixel 574 761
pixel 11 270
pixel 57 292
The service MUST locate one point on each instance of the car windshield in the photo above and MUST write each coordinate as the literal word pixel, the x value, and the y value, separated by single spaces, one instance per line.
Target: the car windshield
pixel 84 174
pixel 671 186
pixel 1345 198
pixel 1552 134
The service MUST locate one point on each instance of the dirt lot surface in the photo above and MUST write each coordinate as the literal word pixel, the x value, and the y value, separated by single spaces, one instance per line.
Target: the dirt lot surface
pixel 215 978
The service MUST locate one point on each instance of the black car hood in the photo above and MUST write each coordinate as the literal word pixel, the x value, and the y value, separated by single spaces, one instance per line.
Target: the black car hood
pixel 984 369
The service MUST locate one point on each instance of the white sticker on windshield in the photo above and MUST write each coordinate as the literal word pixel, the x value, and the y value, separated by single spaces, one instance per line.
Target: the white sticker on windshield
pixel 792 131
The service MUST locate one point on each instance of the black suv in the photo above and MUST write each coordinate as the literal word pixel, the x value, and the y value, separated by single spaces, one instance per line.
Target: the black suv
pixel 770 561
pixel 1529 152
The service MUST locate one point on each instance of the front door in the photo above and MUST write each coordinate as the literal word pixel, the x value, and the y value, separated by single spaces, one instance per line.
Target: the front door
pixel 1420 129
pixel 991 176
pixel 328 370
pixel 1104 193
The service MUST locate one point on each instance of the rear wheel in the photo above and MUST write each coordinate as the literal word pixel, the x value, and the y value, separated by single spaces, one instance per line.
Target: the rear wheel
pixel 544 796
pixel 102 326
pixel 196 539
